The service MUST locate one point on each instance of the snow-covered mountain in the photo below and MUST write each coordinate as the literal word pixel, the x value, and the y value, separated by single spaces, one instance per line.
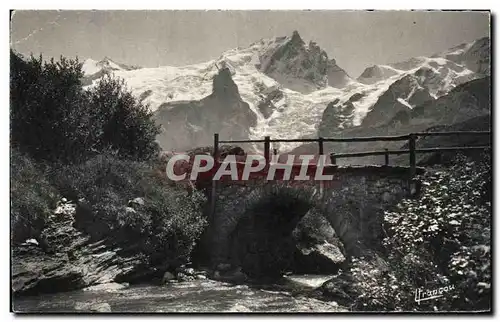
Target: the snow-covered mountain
pixel 286 88
pixel 93 69
pixel 407 84
pixel 223 112
pixel 300 67
pixel 475 55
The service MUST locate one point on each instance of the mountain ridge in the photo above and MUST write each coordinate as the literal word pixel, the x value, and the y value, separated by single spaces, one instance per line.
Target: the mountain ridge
pixel 287 85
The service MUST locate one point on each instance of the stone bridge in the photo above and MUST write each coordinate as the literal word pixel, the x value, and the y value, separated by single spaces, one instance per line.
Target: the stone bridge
pixel 353 203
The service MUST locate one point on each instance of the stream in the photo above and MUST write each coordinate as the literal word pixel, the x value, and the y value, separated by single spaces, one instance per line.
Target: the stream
pixel 194 296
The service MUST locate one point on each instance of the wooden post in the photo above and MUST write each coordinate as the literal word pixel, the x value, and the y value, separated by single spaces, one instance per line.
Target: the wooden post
pixel 386 157
pixel 321 152
pixel 413 159
pixel 333 159
pixel 267 146
pixel 213 193
pixel 275 151
pixel 216 146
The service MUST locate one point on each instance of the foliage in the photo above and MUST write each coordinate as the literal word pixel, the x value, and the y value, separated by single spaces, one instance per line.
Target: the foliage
pixel 119 122
pixel 31 196
pixel 165 227
pixel 46 107
pixel 54 119
pixel 93 143
pixel 440 239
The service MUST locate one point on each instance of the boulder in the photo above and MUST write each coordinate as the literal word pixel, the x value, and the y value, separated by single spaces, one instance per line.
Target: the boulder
pixel 93 307
pixel 223 267
pixel 323 258
pixel 168 277
pixel 318 249
pixel 189 271
pixel 130 211
pixel 232 276
pixel 238 308
pixel 31 241
pixel 106 287
pixel 181 277
pixel 136 202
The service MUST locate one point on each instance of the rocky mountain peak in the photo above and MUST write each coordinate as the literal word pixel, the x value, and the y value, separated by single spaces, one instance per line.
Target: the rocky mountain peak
pixel 223 84
pixel 296 39
pixel 375 74
pixel 337 77
pixel 300 67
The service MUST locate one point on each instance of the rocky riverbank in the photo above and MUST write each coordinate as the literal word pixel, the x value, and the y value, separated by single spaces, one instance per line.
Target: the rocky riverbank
pixel 65 258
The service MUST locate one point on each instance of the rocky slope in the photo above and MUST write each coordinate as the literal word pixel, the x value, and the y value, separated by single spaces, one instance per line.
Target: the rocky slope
pixel 468 101
pixel 66 258
pixel 187 124
pixel 475 56
pixel 419 81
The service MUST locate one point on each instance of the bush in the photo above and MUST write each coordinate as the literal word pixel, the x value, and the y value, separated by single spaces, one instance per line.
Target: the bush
pixel 166 227
pixel 121 123
pixel 46 107
pixel 31 198
pixel 54 119
pixel 441 239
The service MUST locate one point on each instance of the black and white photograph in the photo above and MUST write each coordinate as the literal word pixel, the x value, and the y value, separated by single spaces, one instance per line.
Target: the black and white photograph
pixel 250 161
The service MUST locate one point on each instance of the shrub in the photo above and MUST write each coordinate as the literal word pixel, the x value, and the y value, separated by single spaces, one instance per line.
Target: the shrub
pixel 440 239
pixel 31 198
pixel 46 107
pixel 119 122
pixel 166 227
pixel 54 119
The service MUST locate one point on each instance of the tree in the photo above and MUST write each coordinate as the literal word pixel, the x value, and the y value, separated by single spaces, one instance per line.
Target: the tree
pixel 122 124
pixel 46 107
pixel 54 119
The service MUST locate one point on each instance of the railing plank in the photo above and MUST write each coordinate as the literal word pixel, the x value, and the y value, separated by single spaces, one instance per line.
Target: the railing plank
pixel 453 133
pixel 453 148
pixel 358 139
pixel 369 153
pixel 407 151
pixel 242 141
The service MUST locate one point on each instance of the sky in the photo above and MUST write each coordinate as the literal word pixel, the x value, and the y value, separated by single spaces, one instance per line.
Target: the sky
pixel 355 39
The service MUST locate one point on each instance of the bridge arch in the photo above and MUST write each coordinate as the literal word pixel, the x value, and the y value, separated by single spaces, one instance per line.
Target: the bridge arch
pixel 353 203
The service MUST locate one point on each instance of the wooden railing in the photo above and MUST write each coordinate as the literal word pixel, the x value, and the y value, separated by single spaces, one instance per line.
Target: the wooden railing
pixel 410 138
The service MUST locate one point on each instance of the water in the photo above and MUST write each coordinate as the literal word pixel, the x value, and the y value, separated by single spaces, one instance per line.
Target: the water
pixel 195 296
